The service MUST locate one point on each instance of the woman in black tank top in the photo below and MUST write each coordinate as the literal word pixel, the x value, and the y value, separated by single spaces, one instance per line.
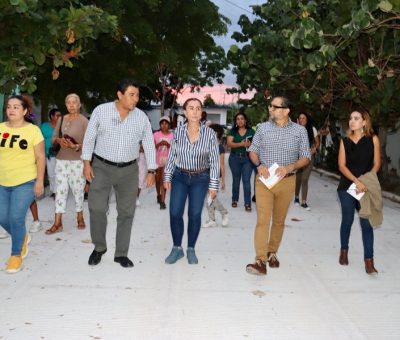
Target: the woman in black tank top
pixel 359 153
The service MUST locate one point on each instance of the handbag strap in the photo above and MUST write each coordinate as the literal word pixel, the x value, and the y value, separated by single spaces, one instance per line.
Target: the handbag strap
pixel 59 131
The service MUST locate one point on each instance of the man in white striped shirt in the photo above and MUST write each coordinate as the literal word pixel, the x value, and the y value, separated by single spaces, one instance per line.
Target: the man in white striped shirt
pixel 112 143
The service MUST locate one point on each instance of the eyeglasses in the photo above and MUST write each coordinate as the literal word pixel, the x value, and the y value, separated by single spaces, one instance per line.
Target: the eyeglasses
pixel 271 106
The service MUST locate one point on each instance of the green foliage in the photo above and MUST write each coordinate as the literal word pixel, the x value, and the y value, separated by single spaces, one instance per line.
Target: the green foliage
pixel 328 55
pixel 45 34
pixel 164 44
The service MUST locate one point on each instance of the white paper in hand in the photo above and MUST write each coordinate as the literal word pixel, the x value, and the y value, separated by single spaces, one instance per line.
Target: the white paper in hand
pixel 209 200
pixel 273 177
pixel 352 190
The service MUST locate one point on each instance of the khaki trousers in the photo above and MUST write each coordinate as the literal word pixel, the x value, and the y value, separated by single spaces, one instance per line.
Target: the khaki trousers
pixel 273 204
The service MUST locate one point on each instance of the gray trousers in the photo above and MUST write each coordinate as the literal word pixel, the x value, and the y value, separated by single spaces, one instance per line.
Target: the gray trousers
pixel 215 205
pixel 124 181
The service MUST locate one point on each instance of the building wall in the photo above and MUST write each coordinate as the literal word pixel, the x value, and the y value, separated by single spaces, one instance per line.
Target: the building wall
pixel 393 150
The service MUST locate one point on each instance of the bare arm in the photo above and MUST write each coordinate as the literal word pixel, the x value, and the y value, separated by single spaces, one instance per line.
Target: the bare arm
pixel 40 168
pixel 377 154
pixel 222 167
pixel 233 145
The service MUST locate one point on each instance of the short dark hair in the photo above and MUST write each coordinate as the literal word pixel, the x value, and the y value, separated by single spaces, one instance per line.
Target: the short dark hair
pixel 125 83
pixel 286 102
pixel 52 112
pixel 189 100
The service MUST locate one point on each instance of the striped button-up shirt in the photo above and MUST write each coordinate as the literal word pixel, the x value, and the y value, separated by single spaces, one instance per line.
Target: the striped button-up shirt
pixel 117 140
pixel 200 155
pixel 282 145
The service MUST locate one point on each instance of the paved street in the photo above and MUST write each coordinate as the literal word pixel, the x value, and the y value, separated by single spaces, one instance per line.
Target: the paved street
pixel 58 296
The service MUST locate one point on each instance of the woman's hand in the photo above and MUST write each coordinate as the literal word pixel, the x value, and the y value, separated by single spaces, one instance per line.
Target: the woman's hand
pixel 167 186
pixel 212 193
pixel 246 143
pixel 360 186
pixel 38 188
pixel 150 180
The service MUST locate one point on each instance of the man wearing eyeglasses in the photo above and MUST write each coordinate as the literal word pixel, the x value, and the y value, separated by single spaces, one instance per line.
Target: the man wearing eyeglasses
pixel 280 141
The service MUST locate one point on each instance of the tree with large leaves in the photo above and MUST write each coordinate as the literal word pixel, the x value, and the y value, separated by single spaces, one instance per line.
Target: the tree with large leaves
pixel 47 34
pixel 330 55
pixel 166 44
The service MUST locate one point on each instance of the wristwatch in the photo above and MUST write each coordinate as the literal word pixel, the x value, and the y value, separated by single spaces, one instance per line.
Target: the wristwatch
pixel 151 172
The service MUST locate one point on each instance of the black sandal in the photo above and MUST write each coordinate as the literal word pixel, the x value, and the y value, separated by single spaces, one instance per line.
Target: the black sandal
pixel 234 204
pixel 247 208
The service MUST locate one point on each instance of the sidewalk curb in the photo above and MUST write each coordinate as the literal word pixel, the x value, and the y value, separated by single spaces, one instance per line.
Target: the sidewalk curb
pixel 385 194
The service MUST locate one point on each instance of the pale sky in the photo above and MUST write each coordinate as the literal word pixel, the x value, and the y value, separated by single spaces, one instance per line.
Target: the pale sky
pixel 232 9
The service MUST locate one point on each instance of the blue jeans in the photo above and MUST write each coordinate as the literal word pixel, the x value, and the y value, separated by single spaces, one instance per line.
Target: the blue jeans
pixel 195 187
pixel 14 204
pixel 349 205
pixel 241 167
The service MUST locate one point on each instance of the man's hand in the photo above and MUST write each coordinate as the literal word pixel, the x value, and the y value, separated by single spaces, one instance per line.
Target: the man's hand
pixel 263 171
pixel 88 171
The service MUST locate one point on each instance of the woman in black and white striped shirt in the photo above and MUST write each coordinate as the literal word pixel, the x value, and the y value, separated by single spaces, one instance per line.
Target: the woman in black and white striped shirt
pixel 192 170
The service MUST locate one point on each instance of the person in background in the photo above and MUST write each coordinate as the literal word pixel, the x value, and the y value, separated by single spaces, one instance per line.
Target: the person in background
pixel 215 203
pixel 303 175
pixel 47 129
pixel 22 167
pixel 69 166
pixel 116 126
pixel 162 141
pixel 36 225
pixel 239 139
pixel 192 170
pixel 285 143
pixel 359 153
pixel 142 177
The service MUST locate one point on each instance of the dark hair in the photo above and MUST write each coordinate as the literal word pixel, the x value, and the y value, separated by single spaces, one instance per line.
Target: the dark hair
pixel 52 112
pixel 125 83
pixel 26 104
pixel 309 127
pixel 189 100
pixel 286 102
pixel 218 129
pixel 235 127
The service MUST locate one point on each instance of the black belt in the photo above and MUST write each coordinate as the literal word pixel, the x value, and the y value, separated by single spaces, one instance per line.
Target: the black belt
pixel 192 172
pixel 118 165
pixel 240 154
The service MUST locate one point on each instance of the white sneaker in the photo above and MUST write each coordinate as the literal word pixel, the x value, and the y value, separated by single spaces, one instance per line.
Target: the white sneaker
pixel 210 224
pixel 225 220
pixel 35 227
pixel 138 204
pixel 4 234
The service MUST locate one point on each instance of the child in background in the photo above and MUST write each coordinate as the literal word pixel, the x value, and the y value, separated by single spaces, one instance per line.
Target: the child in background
pixel 216 204
pixel 162 140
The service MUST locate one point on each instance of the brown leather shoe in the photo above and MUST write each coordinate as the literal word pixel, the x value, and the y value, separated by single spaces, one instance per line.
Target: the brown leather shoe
pixel 369 267
pixel 343 260
pixel 257 268
pixel 273 260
